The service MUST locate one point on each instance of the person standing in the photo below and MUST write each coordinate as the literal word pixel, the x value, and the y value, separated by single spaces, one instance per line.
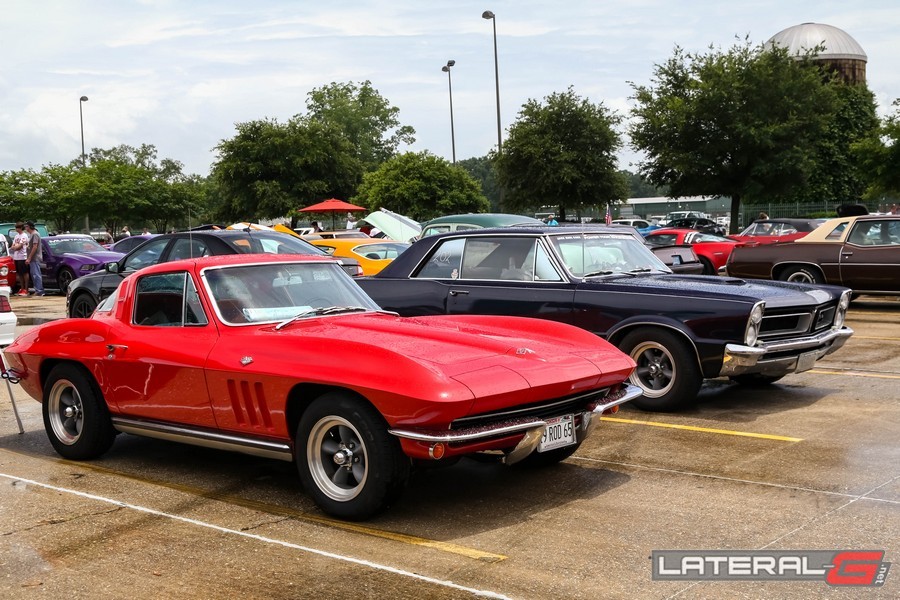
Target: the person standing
pixel 19 253
pixel 125 231
pixel 34 258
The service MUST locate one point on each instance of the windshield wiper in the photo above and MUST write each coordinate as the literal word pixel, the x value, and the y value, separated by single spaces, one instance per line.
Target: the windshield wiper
pixel 641 270
pixel 317 312
pixel 599 273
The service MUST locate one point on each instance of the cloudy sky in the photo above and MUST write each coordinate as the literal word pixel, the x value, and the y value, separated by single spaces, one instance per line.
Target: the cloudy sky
pixel 180 74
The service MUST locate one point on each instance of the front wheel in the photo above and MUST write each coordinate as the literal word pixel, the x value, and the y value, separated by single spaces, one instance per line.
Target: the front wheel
pixel 802 274
pixel 347 460
pixel 66 276
pixel 667 369
pixel 82 307
pixel 708 268
pixel 75 414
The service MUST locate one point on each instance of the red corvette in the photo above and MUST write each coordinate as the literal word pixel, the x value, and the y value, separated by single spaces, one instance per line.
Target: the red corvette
pixel 712 250
pixel 249 353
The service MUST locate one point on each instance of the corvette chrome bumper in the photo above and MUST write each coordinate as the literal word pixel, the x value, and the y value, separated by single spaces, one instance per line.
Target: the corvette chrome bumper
pixel 532 428
pixel 784 356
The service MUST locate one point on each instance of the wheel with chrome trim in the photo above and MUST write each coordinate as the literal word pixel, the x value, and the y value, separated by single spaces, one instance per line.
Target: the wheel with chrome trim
pixel 755 379
pixel 802 274
pixel 82 306
pixel 667 369
pixel 75 414
pixel 347 460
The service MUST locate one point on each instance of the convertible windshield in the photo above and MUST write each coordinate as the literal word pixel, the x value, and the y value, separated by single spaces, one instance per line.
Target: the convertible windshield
pixel 275 292
pixel 594 255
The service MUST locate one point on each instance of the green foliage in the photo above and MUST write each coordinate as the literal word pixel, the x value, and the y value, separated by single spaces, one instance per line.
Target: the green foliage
pixel 269 169
pixel 879 157
pixel 482 170
pixel 364 117
pixel 421 186
pixel 745 123
pixel 561 153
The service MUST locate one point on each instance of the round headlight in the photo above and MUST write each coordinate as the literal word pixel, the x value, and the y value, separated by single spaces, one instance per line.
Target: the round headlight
pixel 840 315
pixel 753 324
pixel 4 271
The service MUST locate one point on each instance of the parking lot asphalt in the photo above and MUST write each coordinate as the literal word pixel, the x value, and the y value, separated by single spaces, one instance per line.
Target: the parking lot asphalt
pixel 812 462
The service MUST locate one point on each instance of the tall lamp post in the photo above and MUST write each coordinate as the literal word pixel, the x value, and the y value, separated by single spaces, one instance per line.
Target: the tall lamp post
pixel 81 102
pixel 492 17
pixel 446 69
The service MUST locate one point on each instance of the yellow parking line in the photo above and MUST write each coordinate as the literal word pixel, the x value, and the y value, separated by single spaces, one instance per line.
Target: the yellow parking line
pixel 296 514
pixel 872 337
pixel 763 436
pixel 855 374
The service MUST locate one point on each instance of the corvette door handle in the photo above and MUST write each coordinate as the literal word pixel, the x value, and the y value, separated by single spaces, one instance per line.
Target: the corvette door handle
pixel 111 348
pixel 459 292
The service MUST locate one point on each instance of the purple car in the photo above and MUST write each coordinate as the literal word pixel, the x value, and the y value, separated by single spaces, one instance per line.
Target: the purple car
pixel 72 255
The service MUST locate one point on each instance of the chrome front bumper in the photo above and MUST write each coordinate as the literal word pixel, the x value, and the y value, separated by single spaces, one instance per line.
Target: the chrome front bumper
pixel 769 358
pixel 532 428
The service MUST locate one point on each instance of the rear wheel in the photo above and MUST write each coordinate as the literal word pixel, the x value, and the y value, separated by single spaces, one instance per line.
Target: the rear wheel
pixel 82 306
pixel 802 274
pixel 708 268
pixel 75 414
pixel 347 460
pixel 667 369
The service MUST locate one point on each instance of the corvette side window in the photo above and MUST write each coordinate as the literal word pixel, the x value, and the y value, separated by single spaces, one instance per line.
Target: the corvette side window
pixel 167 300
pixel 444 262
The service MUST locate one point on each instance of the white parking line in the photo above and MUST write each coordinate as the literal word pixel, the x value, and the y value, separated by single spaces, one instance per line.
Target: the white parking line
pixel 261 538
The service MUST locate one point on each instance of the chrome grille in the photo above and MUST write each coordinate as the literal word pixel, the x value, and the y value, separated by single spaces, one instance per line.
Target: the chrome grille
pixel 541 410
pixel 785 324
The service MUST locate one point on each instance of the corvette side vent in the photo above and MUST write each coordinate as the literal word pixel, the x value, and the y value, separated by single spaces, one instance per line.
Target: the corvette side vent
pixel 248 401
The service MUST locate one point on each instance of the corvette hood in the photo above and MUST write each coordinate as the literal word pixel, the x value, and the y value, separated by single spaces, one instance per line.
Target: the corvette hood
pixel 774 293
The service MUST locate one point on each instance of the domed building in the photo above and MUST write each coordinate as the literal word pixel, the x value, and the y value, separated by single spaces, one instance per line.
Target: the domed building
pixel 841 52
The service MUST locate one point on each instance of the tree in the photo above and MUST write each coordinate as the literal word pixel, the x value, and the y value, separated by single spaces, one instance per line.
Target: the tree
pixel 879 157
pixel 364 117
pixel 745 123
pixel 421 186
pixel 269 169
pixel 482 170
pixel 561 153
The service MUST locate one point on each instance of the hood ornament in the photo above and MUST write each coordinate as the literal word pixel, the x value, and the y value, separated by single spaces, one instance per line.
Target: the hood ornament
pixel 246 360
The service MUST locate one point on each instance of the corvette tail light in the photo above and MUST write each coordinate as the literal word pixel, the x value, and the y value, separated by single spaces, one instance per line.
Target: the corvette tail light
pixel 4 304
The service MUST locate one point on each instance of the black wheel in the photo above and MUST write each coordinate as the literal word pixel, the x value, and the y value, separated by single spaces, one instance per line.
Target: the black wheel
pixel 75 414
pixel 708 268
pixel 82 306
pixel 802 274
pixel 347 460
pixel 64 278
pixel 667 369
pixel 546 459
pixel 755 379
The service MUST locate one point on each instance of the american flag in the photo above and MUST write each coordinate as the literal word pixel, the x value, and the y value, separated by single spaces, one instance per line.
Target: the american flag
pixel 608 215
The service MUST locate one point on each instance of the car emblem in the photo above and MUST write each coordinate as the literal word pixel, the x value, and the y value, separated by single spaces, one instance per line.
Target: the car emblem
pixel 246 360
pixel 523 351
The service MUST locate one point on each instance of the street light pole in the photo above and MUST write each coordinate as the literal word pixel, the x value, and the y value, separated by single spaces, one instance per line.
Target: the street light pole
pixel 493 18
pixel 81 102
pixel 446 69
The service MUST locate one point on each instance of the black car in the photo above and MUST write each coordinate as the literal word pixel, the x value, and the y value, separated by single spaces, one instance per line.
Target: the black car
pixel 85 293
pixel 699 223
pixel 679 329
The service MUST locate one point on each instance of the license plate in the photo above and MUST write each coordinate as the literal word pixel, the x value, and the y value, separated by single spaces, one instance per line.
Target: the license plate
pixel 806 361
pixel 559 432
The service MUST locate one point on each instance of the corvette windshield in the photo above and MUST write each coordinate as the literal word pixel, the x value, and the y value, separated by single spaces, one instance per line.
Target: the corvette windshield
pixel 590 255
pixel 274 292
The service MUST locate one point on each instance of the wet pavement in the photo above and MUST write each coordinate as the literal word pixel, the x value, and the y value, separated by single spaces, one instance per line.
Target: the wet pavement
pixel 812 462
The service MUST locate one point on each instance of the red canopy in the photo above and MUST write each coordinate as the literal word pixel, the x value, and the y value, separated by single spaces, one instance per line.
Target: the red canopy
pixel 332 205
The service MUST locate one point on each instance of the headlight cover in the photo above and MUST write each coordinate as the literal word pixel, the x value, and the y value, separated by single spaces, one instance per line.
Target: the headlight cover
pixel 840 315
pixel 754 323
pixel 88 267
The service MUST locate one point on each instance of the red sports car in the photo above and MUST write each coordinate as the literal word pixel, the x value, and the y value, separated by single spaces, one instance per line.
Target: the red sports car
pixel 712 250
pixel 250 353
